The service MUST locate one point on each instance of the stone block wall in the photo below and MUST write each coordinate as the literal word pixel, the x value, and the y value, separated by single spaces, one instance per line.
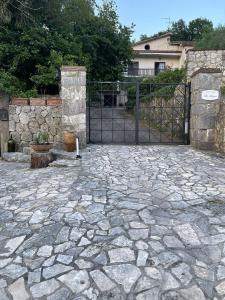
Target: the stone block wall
pixel 73 94
pixel 204 112
pixel 206 71
pixel 4 124
pixel 26 121
pixel 220 126
pixel 211 59
pixel 52 114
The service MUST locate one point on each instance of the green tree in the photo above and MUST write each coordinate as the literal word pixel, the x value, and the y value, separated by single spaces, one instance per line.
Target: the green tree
pixel 192 31
pixel 198 27
pixel 110 42
pixel 143 37
pixel 15 12
pixel 180 31
pixel 61 32
pixel 214 39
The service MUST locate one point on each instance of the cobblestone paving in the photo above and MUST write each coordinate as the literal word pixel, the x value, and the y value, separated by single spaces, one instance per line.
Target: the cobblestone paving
pixel 133 223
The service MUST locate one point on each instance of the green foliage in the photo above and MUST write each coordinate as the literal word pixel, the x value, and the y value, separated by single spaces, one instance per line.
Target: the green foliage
pixel 9 83
pixel 168 76
pixel 15 12
pixel 27 94
pixel 181 31
pixel 48 75
pixel 41 138
pixel 143 37
pixel 198 27
pixel 192 31
pixel 162 85
pixel 214 39
pixel 57 32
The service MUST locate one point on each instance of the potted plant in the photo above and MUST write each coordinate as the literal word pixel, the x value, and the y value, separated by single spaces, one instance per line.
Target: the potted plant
pixel 40 143
pixel 19 101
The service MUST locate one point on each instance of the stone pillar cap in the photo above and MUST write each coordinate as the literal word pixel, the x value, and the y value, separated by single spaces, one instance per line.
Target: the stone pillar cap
pixel 207 71
pixel 73 68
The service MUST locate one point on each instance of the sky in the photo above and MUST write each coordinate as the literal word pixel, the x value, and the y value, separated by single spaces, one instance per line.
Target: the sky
pixel 148 15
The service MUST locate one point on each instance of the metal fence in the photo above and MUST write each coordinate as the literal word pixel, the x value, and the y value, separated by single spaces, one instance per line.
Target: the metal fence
pixel 133 113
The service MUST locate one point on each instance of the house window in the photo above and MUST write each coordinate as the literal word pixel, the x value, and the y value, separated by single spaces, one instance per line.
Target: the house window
pixel 133 68
pixel 147 47
pixel 159 67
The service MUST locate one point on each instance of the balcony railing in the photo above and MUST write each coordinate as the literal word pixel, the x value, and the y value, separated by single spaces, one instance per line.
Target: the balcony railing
pixel 143 72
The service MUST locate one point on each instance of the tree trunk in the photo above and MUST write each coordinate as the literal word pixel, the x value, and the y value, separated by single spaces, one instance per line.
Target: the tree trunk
pixel 41 159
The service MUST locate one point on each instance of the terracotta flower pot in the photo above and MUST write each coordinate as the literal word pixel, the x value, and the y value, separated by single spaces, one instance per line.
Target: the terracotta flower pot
pixel 54 101
pixel 37 101
pixel 69 141
pixel 20 101
pixel 41 147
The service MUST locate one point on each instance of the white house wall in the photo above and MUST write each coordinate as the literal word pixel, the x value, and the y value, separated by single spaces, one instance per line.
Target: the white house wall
pixel 159 44
pixel 149 63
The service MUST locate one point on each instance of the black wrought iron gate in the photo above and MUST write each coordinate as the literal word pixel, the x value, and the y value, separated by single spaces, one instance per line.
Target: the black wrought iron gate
pixel 136 113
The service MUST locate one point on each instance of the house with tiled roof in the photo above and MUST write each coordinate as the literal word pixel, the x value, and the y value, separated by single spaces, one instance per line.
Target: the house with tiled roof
pixel 156 54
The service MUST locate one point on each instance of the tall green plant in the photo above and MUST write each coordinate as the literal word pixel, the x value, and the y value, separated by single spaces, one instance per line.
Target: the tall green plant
pixel 163 85
pixel 61 32
pixel 214 39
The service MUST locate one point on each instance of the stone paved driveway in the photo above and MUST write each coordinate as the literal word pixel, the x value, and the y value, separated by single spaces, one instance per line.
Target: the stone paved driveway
pixel 133 223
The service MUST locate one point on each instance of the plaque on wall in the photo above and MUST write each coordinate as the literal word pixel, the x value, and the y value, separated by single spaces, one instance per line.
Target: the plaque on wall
pixel 4 116
pixel 210 95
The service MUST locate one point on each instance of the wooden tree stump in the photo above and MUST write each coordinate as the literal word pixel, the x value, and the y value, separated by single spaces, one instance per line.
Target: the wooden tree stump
pixel 41 159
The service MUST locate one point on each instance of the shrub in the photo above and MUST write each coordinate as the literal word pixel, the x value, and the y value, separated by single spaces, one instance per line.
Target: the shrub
pixel 163 85
pixel 214 39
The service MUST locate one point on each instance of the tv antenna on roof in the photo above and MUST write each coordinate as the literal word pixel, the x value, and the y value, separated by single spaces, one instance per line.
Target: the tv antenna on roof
pixel 168 21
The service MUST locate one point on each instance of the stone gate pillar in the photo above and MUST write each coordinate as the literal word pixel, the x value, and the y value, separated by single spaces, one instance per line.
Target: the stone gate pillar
pixel 206 85
pixel 4 123
pixel 73 94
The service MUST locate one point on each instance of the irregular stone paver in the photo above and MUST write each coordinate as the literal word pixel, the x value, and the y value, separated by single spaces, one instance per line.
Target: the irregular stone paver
pixel 125 275
pixel 55 270
pixel 12 245
pixel 187 235
pixel 18 291
pixel 102 281
pixel 77 281
pixel 121 255
pixel 45 251
pixel 44 288
pixel 13 271
pixel 142 258
pixel 126 222
pixel 3 295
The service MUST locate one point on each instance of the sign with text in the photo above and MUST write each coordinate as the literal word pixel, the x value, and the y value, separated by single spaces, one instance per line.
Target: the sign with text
pixel 210 95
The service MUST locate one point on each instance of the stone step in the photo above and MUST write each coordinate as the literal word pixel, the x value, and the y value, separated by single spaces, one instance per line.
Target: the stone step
pixel 16 157
pixel 27 150
pixel 61 154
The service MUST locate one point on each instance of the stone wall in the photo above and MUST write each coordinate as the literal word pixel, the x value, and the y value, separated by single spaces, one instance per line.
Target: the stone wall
pixel 73 94
pixel 4 124
pixel 26 121
pixel 204 112
pixel 52 114
pixel 197 59
pixel 206 71
pixel 220 127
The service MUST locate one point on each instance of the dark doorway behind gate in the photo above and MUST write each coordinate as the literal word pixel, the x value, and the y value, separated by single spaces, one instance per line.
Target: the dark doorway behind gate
pixel 136 113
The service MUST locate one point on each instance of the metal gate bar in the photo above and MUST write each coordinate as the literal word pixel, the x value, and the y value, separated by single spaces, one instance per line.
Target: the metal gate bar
pixel 138 113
